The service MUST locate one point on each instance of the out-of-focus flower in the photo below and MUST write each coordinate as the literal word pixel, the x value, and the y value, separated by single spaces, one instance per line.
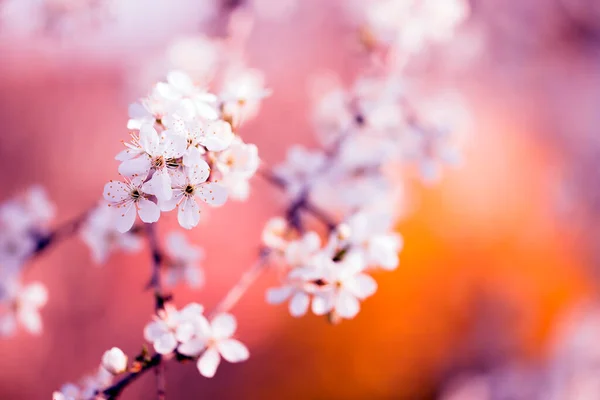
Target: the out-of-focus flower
pixel 182 262
pixel 172 327
pixel 213 342
pixel 301 167
pixel 237 165
pixel 21 305
pixel 100 234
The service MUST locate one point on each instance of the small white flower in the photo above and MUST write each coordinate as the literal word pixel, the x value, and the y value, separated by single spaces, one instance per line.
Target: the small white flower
pixel 237 165
pixel 242 93
pixel 273 234
pixel 197 101
pixel 114 361
pixel 299 253
pixel 215 341
pixel 128 199
pixel 347 284
pixel 188 186
pixel 183 261
pixel 157 152
pixel 372 234
pixel 100 234
pixel 173 327
pixel 23 304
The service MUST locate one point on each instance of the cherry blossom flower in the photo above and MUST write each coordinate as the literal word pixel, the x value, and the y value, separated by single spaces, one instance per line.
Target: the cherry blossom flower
pixel 186 187
pixel 157 151
pixel 101 235
pixel 182 264
pixel 242 93
pixel 273 234
pixel 214 341
pixel 237 165
pixel 371 234
pixel 128 199
pixel 347 284
pixel 22 305
pixel 114 361
pixel 197 101
pixel 172 327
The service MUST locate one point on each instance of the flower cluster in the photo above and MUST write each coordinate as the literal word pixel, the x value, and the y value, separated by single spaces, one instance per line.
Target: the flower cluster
pixel 189 333
pixel 114 362
pixel 182 261
pixel 333 278
pixel 407 26
pixel 23 231
pixel 183 149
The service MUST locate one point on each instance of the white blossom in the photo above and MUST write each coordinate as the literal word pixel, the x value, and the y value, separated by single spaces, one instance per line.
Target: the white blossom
pixel 182 263
pixel 101 235
pixel 189 186
pixel 213 341
pixel 128 199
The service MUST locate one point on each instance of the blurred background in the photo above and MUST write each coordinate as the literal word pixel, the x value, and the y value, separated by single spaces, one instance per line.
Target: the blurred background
pixel 496 296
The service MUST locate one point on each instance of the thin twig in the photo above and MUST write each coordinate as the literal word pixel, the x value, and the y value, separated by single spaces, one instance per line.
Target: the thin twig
pixel 241 287
pixel 302 203
pixel 159 304
pixel 229 301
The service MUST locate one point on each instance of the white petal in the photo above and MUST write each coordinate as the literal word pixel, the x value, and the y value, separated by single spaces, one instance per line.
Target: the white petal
pixel 223 325
pixel 299 304
pixel 115 192
pixel 184 332
pixel 174 145
pixel 198 173
pixel 208 362
pixel 34 295
pixel 125 217
pixel 192 347
pixel 154 330
pixel 148 210
pixel 361 286
pixel 213 193
pixel 165 344
pixel 149 139
pixel 218 136
pixel 188 214
pixel 135 167
pixel 346 305
pixel 30 319
pixel 322 304
pixel 278 295
pixel 180 81
pixel 161 185
pixel 193 157
pixel 233 350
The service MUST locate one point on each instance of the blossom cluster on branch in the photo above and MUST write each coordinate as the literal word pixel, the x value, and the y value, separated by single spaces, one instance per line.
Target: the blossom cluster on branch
pixel 186 152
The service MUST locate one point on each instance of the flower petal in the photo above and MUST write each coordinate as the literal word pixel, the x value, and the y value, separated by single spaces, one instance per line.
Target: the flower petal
pixel 361 286
pixel 223 325
pixel 299 304
pixel 346 305
pixel 208 362
pixel 148 210
pixel 125 216
pixel 188 214
pixel 278 295
pixel 192 347
pixel 233 350
pixel 161 185
pixel 165 344
pixel 115 192
pixel 213 194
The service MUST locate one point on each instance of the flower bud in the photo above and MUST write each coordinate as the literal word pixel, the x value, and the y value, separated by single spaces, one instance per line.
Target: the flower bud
pixel 114 361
